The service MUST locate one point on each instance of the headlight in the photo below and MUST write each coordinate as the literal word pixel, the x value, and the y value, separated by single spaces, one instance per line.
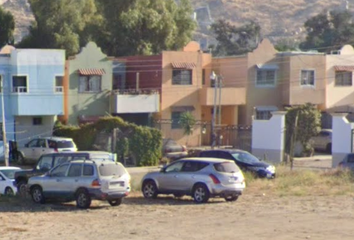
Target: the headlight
pixel 270 168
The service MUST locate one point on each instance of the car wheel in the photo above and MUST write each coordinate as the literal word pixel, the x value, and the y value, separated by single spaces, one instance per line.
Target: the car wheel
pixel 178 195
pixel 37 195
pixel 9 191
pixel 83 199
pixel 115 202
pixel 149 189
pixel 329 148
pixel 231 198
pixel 201 193
pixel 21 189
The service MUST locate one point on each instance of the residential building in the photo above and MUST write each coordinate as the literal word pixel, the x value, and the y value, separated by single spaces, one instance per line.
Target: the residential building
pixel 32 90
pixel 87 85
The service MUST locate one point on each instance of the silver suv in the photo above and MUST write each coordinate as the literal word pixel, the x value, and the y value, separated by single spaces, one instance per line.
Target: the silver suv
pixel 82 180
pixel 200 178
pixel 39 146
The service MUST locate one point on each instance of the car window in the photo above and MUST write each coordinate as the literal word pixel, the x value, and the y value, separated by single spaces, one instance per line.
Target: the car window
pixel 33 143
pixel 61 159
pixel 245 157
pixel 209 154
pixel 111 169
pixel 45 163
pixel 52 144
pixel 174 167
pixel 75 170
pixel 225 155
pixel 9 173
pixel 65 144
pixel 88 170
pixel 191 166
pixel 41 143
pixel 227 167
pixel 60 171
pixel 350 158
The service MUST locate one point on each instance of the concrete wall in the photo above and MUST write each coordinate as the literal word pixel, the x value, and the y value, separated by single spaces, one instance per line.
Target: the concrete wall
pixel 342 137
pixel 268 137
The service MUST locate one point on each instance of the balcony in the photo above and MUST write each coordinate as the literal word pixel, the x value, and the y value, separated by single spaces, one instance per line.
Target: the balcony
pixel 229 96
pixel 135 101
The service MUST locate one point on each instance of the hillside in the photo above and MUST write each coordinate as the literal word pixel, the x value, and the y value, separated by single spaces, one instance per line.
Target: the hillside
pixel 278 18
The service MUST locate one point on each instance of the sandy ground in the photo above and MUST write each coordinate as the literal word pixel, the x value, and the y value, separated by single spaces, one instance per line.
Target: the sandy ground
pixel 251 217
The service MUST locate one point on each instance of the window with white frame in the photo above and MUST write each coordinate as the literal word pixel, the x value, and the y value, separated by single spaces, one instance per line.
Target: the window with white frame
pixel 266 77
pixel 344 78
pixel 307 78
pixel 182 77
pixel 90 83
pixel 19 84
pixel 59 83
pixel 175 117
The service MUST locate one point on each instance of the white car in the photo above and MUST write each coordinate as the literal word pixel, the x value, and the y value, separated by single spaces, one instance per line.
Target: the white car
pixel 39 146
pixel 7 180
pixel 323 141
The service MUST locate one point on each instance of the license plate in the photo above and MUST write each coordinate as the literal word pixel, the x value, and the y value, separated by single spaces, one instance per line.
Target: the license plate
pixel 117 184
pixel 233 179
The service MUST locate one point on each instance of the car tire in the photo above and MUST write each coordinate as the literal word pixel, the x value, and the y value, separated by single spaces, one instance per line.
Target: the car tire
pixel 149 189
pixel 9 192
pixel 21 189
pixel 178 195
pixel 200 193
pixel 231 198
pixel 115 202
pixel 83 199
pixel 37 195
pixel 329 148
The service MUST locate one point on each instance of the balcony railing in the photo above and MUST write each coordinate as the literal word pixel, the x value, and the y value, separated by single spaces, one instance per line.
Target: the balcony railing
pixel 19 89
pixel 59 89
pixel 145 91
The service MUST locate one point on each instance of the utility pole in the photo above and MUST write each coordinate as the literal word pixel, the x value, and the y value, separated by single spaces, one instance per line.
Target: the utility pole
pixel 6 151
pixel 219 110
pixel 214 78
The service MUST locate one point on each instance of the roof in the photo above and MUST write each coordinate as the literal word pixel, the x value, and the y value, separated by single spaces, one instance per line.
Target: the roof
pixel 204 159
pixel 10 168
pixel 80 152
pixel 56 138
pixel 225 150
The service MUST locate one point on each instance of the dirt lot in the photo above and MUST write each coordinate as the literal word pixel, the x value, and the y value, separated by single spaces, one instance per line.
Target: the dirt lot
pixel 252 217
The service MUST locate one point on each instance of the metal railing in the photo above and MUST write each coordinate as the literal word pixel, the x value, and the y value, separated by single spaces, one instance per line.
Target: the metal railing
pixel 19 89
pixel 146 91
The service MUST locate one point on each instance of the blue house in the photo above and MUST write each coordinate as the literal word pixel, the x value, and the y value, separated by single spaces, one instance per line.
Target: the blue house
pixel 32 90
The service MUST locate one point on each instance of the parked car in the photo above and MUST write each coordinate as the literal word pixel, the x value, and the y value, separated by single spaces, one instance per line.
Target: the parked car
pixel 39 146
pixel 200 178
pixel 245 160
pixel 173 150
pixel 82 180
pixel 348 162
pixel 48 161
pixel 323 141
pixel 7 180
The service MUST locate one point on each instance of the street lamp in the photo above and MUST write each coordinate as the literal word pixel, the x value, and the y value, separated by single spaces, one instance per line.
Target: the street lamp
pixel 214 78
pixel 5 147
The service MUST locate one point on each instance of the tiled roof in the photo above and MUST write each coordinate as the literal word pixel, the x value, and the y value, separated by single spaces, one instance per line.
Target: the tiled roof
pixel 183 65
pixel 91 71
pixel 344 68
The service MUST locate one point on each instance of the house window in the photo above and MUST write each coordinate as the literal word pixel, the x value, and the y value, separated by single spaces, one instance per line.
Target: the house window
pixel 203 77
pixel 175 116
pixel 37 121
pixel 59 84
pixel 90 83
pixel 182 77
pixel 266 77
pixel 263 114
pixel 343 78
pixel 19 84
pixel 307 78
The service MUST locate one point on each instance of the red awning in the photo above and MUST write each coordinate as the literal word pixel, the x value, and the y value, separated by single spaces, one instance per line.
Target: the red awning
pixel 183 65
pixel 91 71
pixel 344 68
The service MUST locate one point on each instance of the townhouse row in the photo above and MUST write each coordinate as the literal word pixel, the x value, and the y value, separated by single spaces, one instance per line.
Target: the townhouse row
pixel 40 86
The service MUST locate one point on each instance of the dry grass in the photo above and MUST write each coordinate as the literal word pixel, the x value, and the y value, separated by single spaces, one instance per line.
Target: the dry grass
pixel 303 183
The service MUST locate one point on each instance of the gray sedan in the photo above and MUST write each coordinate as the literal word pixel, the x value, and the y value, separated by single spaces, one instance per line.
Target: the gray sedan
pixel 200 178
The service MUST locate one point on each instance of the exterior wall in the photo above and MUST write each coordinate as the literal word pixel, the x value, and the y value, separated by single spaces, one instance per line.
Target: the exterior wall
pixel 183 95
pixel 25 130
pixel 268 137
pixel 255 95
pixel 342 138
pixel 339 98
pixel 88 104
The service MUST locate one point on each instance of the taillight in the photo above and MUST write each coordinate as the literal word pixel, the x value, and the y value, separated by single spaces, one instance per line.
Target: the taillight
pixel 96 183
pixel 55 149
pixel 214 178
pixel 184 149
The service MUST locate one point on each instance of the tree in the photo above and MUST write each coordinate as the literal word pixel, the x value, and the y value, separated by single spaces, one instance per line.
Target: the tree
pixel 328 31
pixel 187 122
pixel 7 27
pixel 235 40
pixel 304 122
pixel 283 45
pixel 144 27
pixel 61 24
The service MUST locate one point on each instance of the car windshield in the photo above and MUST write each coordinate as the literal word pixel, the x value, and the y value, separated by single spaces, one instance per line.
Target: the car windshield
pixel 111 170
pixel 9 173
pixel 245 157
pixel 226 167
